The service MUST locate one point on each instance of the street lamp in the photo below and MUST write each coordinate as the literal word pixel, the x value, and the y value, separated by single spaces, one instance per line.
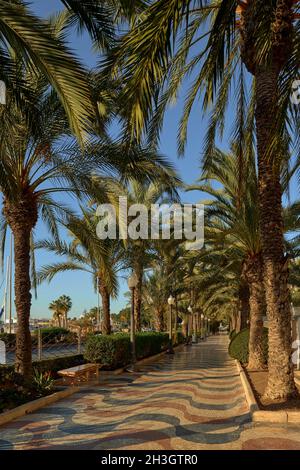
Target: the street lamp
pixel 171 302
pixel 194 335
pixel 202 326
pixel 208 326
pixel 132 283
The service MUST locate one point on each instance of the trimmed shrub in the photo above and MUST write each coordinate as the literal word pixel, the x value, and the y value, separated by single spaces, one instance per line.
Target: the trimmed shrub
pixel 239 345
pixel 150 343
pixel 55 335
pixel 180 338
pixel 113 351
pixel 232 334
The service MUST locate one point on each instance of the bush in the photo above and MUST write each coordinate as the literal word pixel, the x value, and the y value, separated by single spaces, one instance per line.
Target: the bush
pixel 232 334
pixel 9 339
pixel 58 363
pixel 113 351
pixel 239 345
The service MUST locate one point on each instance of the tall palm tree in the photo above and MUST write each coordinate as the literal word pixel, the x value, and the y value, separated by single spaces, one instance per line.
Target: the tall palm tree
pixel 37 164
pixel 213 41
pixel 234 224
pixel 140 252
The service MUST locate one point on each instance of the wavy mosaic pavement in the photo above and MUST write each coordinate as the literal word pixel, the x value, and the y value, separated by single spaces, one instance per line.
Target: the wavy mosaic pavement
pixel 192 400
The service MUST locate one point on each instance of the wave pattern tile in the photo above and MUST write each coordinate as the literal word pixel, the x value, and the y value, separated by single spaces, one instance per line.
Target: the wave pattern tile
pixel 192 400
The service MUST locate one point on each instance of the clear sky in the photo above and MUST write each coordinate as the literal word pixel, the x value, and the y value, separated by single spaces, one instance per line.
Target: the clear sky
pixel 79 285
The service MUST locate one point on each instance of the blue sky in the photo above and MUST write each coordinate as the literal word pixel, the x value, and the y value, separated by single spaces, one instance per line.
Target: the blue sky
pixel 79 285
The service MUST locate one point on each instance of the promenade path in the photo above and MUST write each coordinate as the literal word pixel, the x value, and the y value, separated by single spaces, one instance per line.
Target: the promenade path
pixel 192 400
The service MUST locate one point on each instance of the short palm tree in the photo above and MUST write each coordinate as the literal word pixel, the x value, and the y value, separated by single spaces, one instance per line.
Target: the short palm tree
pixel 55 307
pixel 65 306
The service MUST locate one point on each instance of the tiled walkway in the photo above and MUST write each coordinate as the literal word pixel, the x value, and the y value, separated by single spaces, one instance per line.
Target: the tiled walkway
pixel 192 400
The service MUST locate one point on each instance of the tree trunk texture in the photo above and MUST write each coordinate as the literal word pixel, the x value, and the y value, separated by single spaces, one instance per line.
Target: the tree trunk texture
pixel 138 299
pixel 281 375
pixel 159 320
pixel 244 307
pixel 105 296
pixel 22 217
pixel 253 271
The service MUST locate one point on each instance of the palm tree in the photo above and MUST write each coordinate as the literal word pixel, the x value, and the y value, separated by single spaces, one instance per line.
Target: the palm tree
pixel 215 41
pixel 37 165
pixel 65 306
pixel 233 227
pixel 55 307
pixel 140 252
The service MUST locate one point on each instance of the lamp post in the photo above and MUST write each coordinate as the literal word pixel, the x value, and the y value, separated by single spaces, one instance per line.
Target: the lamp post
pixel 132 283
pixel 194 335
pixel 202 326
pixel 171 302
pixel 208 326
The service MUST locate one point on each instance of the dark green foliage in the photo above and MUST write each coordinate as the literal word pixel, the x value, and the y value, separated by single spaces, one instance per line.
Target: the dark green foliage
pixel 9 339
pixel 113 351
pixel 43 382
pixel 180 338
pixel 232 334
pixel 239 345
pixel 12 390
pixel 58 363
pixel 150 343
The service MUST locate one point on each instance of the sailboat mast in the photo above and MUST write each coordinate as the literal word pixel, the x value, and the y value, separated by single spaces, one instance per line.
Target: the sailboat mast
pixel 5 292
pixel 10 283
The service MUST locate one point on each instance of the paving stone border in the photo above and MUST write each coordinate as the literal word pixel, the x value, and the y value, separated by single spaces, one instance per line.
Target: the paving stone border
pixel 257 415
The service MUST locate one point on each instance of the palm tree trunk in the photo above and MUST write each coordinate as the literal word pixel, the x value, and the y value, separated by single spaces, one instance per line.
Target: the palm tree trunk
pixel 159 320
pixel 281 376
pixel 105 296
pixel 253 271
pixel 244 307
pixel 138 299
pixel 23 362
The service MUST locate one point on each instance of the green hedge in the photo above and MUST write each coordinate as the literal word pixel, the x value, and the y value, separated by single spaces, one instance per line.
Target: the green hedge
pixel 232 334
pixel 54 335
pixel 239 345
pixel 113 351
pixel 53 365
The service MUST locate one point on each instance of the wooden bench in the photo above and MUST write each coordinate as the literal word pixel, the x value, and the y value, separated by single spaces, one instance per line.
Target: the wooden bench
pixel 80 373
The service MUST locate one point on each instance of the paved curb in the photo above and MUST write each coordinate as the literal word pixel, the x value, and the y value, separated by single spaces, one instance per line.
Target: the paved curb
pixel 252 403
pixel 257 415
pixel 31 406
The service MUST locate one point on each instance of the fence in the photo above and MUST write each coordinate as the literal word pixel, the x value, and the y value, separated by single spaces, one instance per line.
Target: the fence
pixel 45 345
